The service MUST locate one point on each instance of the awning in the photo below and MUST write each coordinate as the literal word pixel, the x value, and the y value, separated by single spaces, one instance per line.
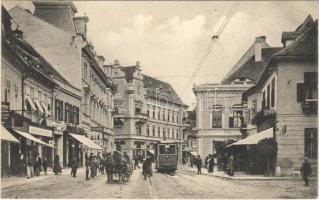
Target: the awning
pixel 86 141
pixel 45 108
pixel 254 139
pixel 151 151
pixel 30 137
pixel 28 98
pixel 37 103
pixel 193 153
pixel 7 136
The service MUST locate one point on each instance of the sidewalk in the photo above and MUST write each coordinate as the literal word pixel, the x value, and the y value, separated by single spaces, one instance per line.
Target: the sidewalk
pixel 16 180
pixel 242 176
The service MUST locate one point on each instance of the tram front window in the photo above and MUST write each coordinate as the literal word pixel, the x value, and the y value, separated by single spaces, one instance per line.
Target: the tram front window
pixel 167 149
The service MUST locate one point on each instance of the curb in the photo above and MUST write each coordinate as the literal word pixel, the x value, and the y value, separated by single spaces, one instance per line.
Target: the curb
pixel 251 179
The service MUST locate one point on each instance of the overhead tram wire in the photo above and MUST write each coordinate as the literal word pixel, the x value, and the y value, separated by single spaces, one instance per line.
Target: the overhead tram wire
pixel 212 43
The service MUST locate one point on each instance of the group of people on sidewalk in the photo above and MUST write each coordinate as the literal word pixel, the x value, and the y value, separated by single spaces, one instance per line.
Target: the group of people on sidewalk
pixel 32 165
pixel 210 162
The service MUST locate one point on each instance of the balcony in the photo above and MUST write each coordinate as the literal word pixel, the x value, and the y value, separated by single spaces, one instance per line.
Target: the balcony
pixel 143 117
pixel 309 106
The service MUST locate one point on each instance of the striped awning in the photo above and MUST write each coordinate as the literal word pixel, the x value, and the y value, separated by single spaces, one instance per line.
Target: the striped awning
pixel 7 136
pixel 86 141
pixel 254 139
pixel 32 138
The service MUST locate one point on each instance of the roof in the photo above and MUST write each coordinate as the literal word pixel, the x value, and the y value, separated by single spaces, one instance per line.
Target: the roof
pixel 306 44
pixel 166 89
pixel 247 55
pixel 251 69
pixel 47 68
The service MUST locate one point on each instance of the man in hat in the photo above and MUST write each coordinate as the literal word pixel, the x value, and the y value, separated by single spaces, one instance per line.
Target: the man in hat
pixel 305 171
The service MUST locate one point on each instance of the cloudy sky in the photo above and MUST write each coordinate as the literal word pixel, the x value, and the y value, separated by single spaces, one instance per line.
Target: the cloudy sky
pixel 170 37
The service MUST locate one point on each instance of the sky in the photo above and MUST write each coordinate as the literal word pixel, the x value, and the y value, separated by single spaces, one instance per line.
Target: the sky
pixel 170 37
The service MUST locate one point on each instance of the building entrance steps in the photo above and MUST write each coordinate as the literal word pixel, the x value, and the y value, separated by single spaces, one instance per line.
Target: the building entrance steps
pixel 7 182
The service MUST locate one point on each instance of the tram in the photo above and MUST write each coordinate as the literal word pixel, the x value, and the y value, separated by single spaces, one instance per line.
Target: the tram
pixel 166 156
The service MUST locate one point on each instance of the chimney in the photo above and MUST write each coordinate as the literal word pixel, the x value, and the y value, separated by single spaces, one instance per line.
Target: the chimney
pixel 101 60
pixel 58 13
pixel 137 64
pixel 80 24
pixel 258 46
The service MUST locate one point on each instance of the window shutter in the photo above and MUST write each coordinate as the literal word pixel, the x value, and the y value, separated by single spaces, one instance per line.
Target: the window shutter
pixel 300 92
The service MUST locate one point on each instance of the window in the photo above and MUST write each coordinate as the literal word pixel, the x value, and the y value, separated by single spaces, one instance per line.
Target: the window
pixel 153 131
pixel 173 116
pixel 148 130
pixel 168 133
pixel 66 112
pixel 148 111
pixel 217 119
pixel 164 115
pixel 138 129
pixel 173 133
pixel 159 114
pixel 167 149
pixel 237 120
pixel 8 91
pixel 164 132
pixel 16 91
pixel 154 109
pixel 268 96
pixel 308 89
pixel 168 115
pixel 272 101
pixel 311 143
pixel 177 134
pixel 31 92
pixel 158 131
pixel 85 71
pixel 39 95
pixel 58 110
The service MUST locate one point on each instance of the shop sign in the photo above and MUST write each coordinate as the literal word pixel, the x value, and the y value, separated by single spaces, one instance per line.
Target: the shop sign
pixel 5 110
pixel 40 131
pixel 98 129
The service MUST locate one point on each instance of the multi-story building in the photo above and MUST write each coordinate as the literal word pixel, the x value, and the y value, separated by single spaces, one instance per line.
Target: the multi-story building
pixel 27 89
pixel 220 115
pixel 55 31
pixel 147 110
pixel 190 135
pixel 287 97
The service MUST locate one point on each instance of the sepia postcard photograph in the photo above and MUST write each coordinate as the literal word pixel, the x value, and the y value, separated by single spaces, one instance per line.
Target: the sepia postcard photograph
pixel 159 99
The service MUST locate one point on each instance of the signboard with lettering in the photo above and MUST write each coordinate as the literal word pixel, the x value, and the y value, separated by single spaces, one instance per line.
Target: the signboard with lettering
pixel 5 110
pixel 98 129
pixel 40 131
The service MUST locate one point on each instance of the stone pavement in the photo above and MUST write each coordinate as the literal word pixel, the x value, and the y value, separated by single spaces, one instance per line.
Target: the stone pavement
pixel 241 175
pixel 16 180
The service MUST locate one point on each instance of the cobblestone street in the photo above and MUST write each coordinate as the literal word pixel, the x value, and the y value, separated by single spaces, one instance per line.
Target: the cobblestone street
pixel 183 184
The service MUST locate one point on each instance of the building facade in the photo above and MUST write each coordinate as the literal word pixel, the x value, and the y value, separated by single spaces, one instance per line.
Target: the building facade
pixel 83 70
pixel 288 89
pixel 220 115
pixel 26 96
pixel 147 111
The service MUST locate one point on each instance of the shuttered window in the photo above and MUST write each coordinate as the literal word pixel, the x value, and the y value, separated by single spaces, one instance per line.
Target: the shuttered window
pixel 217 119
pixel 300 92
pixel 272 101
pixel 311 143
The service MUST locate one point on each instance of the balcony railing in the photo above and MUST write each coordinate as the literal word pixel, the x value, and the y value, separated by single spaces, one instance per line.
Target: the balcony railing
pixel 309 106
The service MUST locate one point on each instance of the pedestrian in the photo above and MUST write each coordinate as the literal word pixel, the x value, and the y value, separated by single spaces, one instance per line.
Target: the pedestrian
pixel 211 164
pixel 93 166
pixel 56 165
pixel 146 169
pixel 39 165
pixel 230 166
pixel 206 160
pixel 305 171
pixel 30 162
pixel 136 162
pixel 99 162
pixel 87 166
pixel 22 165
pixel 74 165
pixel 109 167
pixel 45 166
pixel 199 164
pixel 192 161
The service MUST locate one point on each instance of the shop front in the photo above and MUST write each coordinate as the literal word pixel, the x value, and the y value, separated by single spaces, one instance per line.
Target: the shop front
pixel 8 143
